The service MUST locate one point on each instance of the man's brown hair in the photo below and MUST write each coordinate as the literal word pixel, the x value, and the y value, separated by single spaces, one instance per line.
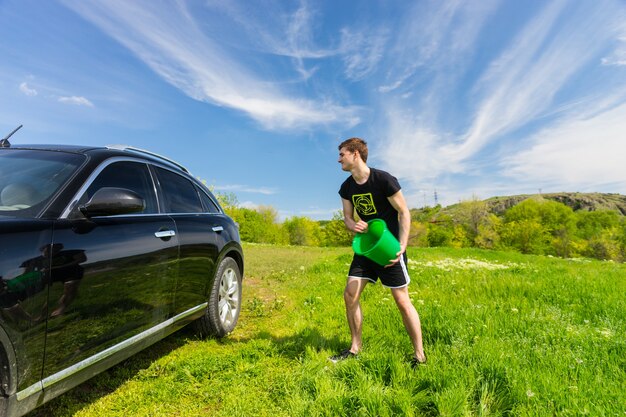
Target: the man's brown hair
pixel 355 144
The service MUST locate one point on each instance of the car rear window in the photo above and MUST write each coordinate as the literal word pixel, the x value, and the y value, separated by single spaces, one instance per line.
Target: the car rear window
pixel 180 195
pixel 29 178
pixel 209 204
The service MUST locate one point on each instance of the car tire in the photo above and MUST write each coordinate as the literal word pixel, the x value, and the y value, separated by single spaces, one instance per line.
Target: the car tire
pixel 4 382
pixel 224 303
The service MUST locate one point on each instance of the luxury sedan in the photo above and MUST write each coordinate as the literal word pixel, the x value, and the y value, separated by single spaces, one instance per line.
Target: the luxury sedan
pixel 103 251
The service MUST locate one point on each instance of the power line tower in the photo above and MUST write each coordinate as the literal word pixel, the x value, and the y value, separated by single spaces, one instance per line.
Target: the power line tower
pixel 436 199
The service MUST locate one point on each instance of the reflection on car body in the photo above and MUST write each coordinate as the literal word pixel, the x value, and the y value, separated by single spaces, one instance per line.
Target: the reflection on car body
pixel 103 251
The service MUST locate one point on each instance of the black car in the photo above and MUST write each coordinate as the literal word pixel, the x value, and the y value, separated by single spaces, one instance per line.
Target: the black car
pixel 103 251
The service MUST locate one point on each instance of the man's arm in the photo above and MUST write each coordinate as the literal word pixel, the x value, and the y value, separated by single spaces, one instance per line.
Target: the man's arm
pixel 348 218
pixel 404 219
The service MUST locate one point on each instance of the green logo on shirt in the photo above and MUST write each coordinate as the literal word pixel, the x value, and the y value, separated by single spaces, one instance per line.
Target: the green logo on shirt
pixel 364 204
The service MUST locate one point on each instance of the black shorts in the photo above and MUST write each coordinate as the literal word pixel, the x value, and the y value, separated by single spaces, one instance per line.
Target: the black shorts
pixel 396 276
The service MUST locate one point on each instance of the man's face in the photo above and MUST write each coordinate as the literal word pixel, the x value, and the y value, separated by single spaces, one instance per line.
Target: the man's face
pixel 347 159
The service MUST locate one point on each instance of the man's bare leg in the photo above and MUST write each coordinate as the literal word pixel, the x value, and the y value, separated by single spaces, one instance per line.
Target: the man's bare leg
pixel 351 296
pixel 411 320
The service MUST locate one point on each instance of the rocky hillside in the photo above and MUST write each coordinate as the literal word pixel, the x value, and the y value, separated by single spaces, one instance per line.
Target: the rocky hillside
pixel 577 201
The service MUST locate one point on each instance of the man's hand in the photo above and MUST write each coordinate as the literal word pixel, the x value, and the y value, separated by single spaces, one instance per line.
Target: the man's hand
pixel 392 262
pixel 360 227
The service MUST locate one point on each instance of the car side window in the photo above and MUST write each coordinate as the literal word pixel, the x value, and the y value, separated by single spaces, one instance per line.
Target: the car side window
pixel 180 195
pixel 133 176
pixel 209 204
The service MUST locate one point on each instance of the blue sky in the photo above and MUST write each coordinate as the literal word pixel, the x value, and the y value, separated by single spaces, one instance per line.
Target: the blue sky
pixel 466 98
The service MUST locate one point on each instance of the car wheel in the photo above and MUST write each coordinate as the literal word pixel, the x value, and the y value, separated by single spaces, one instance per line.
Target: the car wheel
pixel 224 302
pixel 4 382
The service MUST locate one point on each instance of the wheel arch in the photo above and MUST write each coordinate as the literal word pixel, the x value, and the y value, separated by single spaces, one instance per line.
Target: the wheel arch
pixel 233 250
pixel 8 374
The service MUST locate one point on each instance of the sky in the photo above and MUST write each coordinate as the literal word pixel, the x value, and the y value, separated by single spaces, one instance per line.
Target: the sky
pixel 457 99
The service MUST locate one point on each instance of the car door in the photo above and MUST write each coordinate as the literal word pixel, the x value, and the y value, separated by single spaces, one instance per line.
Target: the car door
pixel 23 292
pixel 112 277
pixel 197 235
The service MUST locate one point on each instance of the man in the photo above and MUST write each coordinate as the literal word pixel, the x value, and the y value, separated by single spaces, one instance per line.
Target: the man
pixel 375 194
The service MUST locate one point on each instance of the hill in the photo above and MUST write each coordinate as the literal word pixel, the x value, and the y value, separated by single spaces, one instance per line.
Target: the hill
pixel 577 201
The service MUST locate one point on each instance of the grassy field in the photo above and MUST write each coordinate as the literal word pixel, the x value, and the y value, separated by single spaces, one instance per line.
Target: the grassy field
pixel 505 334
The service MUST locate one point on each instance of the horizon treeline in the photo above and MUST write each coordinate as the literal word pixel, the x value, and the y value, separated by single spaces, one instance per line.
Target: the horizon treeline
pixel 534 226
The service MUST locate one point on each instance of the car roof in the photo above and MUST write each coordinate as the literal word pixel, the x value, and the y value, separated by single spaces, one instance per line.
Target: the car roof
pixel 50 147
pixel 108 150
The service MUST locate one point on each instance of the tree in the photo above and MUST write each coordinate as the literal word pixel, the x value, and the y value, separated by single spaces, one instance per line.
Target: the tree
pixel 590 224
pixel 526 235
pixel 488 236
pixel 460 237
pixel 440 231
pixel 418 235
pixel 303 231
pixel 335 233
pixel 228 201
pixel 258 226
pixel 472 214
pixel 605 246
pixel 551 226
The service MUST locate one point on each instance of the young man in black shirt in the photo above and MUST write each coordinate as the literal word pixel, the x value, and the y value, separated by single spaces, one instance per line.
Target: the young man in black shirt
pixel 373 193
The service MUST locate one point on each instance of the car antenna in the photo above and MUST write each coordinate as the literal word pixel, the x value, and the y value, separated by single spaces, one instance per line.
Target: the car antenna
pixel 4 143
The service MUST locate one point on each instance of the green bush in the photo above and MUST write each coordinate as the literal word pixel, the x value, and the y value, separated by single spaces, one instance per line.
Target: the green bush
pixel 303 231
pixel 258 226
pixel 335 232
pixel 439 235
pixel 534 226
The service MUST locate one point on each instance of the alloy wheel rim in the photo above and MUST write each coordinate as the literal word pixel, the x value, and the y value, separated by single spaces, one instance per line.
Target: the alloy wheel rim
pixel 228 297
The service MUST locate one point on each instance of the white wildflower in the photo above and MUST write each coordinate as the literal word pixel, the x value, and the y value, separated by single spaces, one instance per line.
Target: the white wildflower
pixel 608 333
pixel 449 264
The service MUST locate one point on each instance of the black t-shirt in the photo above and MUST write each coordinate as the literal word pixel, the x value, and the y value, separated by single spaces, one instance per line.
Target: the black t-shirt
pixel 370 199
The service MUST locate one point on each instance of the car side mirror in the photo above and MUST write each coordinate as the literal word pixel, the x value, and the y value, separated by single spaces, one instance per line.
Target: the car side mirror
pixel 110 201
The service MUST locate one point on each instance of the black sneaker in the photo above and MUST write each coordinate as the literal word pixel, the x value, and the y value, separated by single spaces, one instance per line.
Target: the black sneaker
pixel 344 354
pixel 416 362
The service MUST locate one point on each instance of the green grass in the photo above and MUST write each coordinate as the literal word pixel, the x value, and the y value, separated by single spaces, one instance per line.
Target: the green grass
pixel 505 334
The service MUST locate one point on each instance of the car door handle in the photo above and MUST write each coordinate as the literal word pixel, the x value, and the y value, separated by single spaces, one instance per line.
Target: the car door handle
pixel 165 233
pixel 217 228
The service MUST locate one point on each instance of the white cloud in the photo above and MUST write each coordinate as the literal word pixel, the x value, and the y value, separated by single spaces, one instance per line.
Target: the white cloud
pixel 246 189
pixel 78 101
pixel 618 56
pixel 24 88
pixel 319 213
pixel 411 150
pixel 362 51
pixel 299 39
pixel 434 38
pixel 518 90
pixel 249 205
pixel 575 154
pixel 521 85
pixel 172 42
pixel 270 28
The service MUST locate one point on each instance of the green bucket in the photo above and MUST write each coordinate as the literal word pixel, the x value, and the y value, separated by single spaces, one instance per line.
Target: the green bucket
pixel 378 244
